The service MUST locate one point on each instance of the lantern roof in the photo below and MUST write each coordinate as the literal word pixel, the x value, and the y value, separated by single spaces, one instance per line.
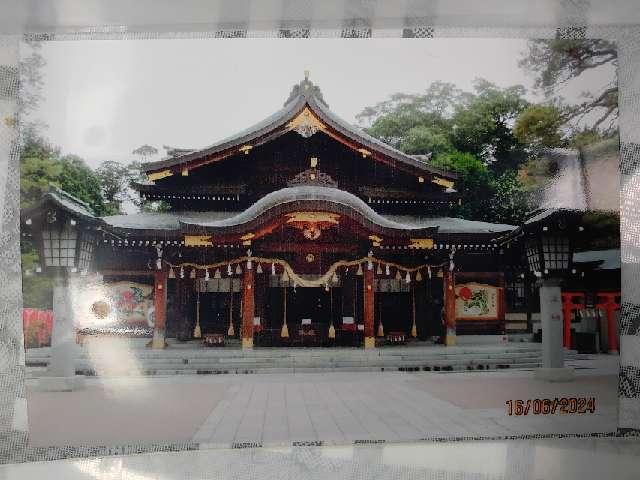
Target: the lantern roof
pixel 64 201
pixel 560 217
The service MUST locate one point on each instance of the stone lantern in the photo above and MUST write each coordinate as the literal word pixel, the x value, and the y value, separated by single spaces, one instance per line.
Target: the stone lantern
pixel 63 230
pixel 548 239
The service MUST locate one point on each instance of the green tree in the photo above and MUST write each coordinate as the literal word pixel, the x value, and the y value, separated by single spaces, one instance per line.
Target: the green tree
pixel 509 203
pixel 539 126
pixel 115 180
pixel 422 139
pixel 145 151
pixel 474 184
pixel 555 62
pixel 39 166
pixel 445 118
pixel 584 137
pixel 393 119
pixel 42 165
pixel 79 180
pixel 483 125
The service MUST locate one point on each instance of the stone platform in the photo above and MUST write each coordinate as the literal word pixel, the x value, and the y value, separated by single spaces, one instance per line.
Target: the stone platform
pixel 121 358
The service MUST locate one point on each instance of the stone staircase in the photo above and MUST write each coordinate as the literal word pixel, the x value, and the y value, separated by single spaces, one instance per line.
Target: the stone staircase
pixel 200 360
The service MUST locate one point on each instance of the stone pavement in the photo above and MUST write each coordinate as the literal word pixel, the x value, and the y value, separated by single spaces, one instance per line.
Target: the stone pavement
pixel 332 408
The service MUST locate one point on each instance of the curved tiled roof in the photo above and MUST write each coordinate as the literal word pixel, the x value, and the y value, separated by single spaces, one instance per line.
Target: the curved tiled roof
pixel 299 197
pixel 303 94
pixel 306 193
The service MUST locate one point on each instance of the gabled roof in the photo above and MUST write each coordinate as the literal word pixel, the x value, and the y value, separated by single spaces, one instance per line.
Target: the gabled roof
pixel 65 201
pixel 305 99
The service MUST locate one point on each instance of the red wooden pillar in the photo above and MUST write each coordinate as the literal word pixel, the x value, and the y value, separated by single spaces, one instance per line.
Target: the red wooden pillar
pixel 570 301
pixel 248 308
pixel 449 308
pixel 611 329
pixel 609 305
pixel 160 308
pixel 369 334
pixel 567 305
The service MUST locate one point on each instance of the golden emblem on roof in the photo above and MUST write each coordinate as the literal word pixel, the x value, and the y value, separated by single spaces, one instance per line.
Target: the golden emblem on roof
pixel 306 123
pixel 421 243
pixel 152 177
pixel 443 182
pixel 198 241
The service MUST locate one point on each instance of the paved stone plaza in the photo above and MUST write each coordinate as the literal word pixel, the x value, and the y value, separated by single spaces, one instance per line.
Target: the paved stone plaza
pixel 335 407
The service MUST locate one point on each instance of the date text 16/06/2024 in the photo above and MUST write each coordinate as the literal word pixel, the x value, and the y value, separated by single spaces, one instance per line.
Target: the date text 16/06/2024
pixel 548 406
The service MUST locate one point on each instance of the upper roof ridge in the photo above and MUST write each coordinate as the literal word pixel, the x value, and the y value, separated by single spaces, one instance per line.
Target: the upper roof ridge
pixel 306 89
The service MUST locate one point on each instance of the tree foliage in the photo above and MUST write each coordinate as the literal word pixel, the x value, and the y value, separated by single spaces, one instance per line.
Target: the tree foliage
pixel 445 118
pixel 474 183
pixel 115 180
pixel 556 62
pixel 42 165
pixel 470 133
pixel 539 126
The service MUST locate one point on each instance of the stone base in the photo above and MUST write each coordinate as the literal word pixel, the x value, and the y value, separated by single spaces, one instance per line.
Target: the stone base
pixel 369 342
pixel 247 343
pixel 450 340
pixel 559 374
pixel 60 384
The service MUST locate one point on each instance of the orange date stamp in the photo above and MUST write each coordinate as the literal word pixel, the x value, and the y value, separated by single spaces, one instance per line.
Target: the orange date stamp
pixel 551 406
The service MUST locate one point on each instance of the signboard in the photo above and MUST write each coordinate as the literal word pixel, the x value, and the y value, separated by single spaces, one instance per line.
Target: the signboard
pixel 477 301
pixel 124 307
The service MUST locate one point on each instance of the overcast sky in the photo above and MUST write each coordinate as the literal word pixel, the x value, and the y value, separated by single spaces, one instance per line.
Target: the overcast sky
pixel 103 99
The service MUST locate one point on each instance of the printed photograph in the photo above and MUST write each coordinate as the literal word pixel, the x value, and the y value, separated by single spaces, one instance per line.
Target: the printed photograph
pixel 246 242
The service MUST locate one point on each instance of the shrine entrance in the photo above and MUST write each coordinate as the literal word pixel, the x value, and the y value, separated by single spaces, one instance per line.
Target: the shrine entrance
pixel 307 313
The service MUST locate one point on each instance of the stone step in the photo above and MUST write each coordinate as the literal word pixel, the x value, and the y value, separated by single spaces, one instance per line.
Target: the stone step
pixel 524 362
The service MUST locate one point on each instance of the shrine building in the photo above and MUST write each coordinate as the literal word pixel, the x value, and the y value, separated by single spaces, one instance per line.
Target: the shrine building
pixel 301 230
